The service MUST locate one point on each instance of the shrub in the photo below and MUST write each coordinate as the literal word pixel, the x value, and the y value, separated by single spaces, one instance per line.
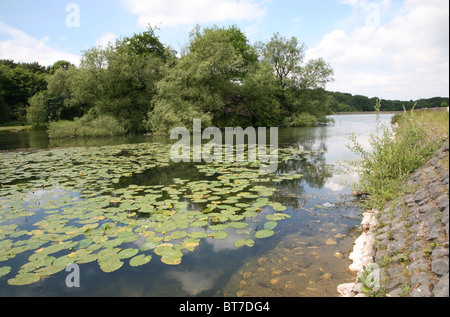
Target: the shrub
pixel 303 119
pixel 395 154
pixel 102 126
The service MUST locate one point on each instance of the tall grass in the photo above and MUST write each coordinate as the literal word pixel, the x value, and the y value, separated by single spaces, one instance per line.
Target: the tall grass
pixel 103 126
pixel 396 152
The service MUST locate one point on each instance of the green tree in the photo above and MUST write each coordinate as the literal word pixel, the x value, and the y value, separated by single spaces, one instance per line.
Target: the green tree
pixel 144 44
pixel 115 81
pixel 198 84
pixel 285 55
pixel 61 64
pixel 37 111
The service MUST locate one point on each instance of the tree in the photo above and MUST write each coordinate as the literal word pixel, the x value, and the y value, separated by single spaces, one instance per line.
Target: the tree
pixel 19 83
pixel 116 81
pixel 198 84
pixel 285 55
pixel 37 111
pixel 147 43
pixel 61 64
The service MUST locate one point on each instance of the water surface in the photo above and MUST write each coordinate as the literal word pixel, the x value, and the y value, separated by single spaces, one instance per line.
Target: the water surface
pixel 307 255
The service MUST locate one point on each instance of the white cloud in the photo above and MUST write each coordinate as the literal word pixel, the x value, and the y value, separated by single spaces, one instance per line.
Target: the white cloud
pixel 404 58
pixel 172 13
pixel 21 47
pixel 105 39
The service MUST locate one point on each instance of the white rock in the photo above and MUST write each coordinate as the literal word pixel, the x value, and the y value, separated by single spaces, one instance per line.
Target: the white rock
pixel 345 290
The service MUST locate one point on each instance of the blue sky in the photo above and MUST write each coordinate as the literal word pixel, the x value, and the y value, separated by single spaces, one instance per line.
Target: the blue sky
pixel 392 49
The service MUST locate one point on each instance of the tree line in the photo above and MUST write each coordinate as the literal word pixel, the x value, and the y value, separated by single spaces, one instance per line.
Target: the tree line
pixel 138 84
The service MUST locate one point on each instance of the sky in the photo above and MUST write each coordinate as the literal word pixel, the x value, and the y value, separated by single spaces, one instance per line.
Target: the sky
pixel 390 49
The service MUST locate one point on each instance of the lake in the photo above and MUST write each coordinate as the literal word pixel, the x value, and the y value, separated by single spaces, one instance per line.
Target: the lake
pixel 138 224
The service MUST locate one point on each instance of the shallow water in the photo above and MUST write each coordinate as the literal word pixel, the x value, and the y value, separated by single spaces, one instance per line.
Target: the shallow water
pixel 307 255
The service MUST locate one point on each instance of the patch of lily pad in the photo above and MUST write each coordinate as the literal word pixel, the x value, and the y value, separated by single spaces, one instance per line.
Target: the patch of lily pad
pixel 80 214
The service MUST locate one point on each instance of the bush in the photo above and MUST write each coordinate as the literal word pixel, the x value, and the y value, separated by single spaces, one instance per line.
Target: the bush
pixel 103 126
pixel 395 154
pixel 303 119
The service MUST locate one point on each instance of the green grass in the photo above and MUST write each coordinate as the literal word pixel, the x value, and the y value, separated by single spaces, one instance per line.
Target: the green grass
pixel 15 126
pixel 395 154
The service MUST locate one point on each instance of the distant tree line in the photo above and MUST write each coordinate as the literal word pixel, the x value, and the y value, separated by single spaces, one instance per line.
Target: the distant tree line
pixel 138 84
pixel 345 102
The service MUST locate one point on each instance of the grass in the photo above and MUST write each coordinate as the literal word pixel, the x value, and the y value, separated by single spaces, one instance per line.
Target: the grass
pixel 396 153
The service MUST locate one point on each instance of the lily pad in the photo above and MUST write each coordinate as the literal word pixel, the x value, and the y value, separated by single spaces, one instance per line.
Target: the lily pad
pixel 4 270
pixel 127 253
pixel 270 225
pixel 261 234
pixel 24 279
pixel 110 264
pixel 139 260
pixel 242 242
pixel 219 235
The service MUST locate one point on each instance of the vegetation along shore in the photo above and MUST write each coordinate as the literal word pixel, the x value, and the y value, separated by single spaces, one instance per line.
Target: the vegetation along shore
pixel 403 248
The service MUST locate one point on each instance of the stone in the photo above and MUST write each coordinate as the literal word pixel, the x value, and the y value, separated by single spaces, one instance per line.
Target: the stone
pixel 435 232
pixel 345 290
pixel 442 201
pixel 421 278
pixel 421 291
pixel 440 266
pixel 421 195
pixel 442 287
pixel 439 252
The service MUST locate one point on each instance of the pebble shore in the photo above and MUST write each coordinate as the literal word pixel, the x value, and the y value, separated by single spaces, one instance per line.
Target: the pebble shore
pixel 406 244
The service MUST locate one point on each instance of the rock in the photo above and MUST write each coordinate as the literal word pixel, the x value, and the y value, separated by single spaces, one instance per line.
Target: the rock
pixel 247 275
pixel 421 195
pixel 345 290
pixel 442 287
pixel 440 266
pixel 442 201
pixel 421 291
pixel 439 252
pixel 330 241
pixel 326 276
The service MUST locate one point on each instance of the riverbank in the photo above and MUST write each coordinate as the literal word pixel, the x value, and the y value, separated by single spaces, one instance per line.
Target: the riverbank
pixel 406 244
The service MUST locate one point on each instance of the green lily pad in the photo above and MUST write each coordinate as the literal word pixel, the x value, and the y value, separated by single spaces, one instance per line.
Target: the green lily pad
pixel 139 260
pixel 110 264
pixel 261 234
pixel 270 225
pixel 24 279
pixel 219 235
pixel 4 270
pixel 197 234
pixel 127 253
pixel 241 242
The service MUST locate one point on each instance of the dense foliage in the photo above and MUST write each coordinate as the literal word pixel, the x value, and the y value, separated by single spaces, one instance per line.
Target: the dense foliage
pixel 138 84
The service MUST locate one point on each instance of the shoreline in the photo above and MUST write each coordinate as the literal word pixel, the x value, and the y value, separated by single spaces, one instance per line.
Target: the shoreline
pixel 403 250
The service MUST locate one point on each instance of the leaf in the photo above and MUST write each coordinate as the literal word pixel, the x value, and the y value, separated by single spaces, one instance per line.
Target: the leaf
pixel 270 225
pixel 140 260
pixel 197 234
pixel 24 279
pixel 4 270
pixel 220 235
pixel 110 264
pixel 261 234
pixel 148 246
pixel 127 253
pixel 241 242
